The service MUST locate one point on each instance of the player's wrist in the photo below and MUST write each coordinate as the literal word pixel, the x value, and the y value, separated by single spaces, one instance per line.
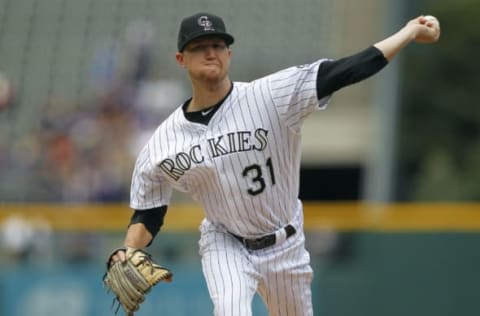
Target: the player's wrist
pixel 410 31
pixel 130 250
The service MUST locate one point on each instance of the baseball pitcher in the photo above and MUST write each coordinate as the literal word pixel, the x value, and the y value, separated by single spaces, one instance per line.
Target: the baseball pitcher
pixel 235 148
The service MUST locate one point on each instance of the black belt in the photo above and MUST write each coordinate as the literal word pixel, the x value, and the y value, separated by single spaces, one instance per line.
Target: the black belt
pixel 264 241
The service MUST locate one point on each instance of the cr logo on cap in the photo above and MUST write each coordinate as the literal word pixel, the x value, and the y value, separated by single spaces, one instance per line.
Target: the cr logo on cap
pixel 205 23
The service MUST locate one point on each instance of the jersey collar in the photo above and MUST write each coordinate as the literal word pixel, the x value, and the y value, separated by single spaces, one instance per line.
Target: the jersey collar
pixel 204 116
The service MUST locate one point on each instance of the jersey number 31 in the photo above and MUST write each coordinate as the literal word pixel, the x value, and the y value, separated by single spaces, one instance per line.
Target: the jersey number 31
pixel 257 180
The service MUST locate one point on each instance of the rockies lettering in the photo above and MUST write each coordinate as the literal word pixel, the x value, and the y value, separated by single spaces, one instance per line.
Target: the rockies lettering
pixel 222 145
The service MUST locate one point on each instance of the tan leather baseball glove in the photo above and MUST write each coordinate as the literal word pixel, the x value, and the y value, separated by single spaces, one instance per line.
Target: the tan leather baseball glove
pixel 131 280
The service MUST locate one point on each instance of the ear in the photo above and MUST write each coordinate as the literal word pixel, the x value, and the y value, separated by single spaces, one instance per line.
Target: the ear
pixel 180 59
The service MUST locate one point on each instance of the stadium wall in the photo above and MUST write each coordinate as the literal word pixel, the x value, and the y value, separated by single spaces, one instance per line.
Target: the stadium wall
pixel 400 259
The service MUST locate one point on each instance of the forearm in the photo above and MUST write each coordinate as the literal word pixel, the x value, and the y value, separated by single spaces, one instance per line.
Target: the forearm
pixel 393 44
pixel 137 236
pixel 334 75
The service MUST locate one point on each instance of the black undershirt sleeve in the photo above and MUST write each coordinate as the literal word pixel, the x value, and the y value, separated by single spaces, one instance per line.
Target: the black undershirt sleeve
pixel 336 74
pixel 152 219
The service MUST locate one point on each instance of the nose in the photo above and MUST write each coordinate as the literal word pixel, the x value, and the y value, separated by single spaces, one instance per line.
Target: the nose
pixel 209 51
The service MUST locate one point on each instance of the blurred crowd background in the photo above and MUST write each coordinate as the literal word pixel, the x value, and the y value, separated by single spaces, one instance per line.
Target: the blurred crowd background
pixel 86 82
pixel 83 84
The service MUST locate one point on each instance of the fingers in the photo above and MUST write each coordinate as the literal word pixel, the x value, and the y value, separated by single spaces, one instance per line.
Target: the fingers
pixel 429 21
pixel 427 29
pixel 423 20
pixel 426 20
pixel 119 256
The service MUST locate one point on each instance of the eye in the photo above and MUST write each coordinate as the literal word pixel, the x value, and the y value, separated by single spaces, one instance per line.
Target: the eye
pixel 197 48
pixel 219 46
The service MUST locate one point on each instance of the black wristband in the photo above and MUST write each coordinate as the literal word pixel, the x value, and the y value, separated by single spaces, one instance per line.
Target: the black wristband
pixel 152 219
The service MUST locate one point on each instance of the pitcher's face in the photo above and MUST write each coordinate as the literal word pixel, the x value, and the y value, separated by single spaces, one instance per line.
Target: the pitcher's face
pixel 206 59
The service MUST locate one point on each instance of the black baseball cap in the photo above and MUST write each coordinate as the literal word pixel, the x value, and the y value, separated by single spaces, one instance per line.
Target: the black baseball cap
pixel 199 25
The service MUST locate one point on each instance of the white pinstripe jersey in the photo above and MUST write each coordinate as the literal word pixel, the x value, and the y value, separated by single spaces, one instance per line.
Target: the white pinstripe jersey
pixel 243 167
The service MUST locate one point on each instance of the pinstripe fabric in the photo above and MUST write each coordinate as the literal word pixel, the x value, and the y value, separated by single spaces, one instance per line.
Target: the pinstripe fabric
pixel 258 125
pixel 243 168
pixel 281 274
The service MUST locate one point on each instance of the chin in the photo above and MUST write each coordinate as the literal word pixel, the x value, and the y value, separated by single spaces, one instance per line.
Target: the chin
pixel 213 76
